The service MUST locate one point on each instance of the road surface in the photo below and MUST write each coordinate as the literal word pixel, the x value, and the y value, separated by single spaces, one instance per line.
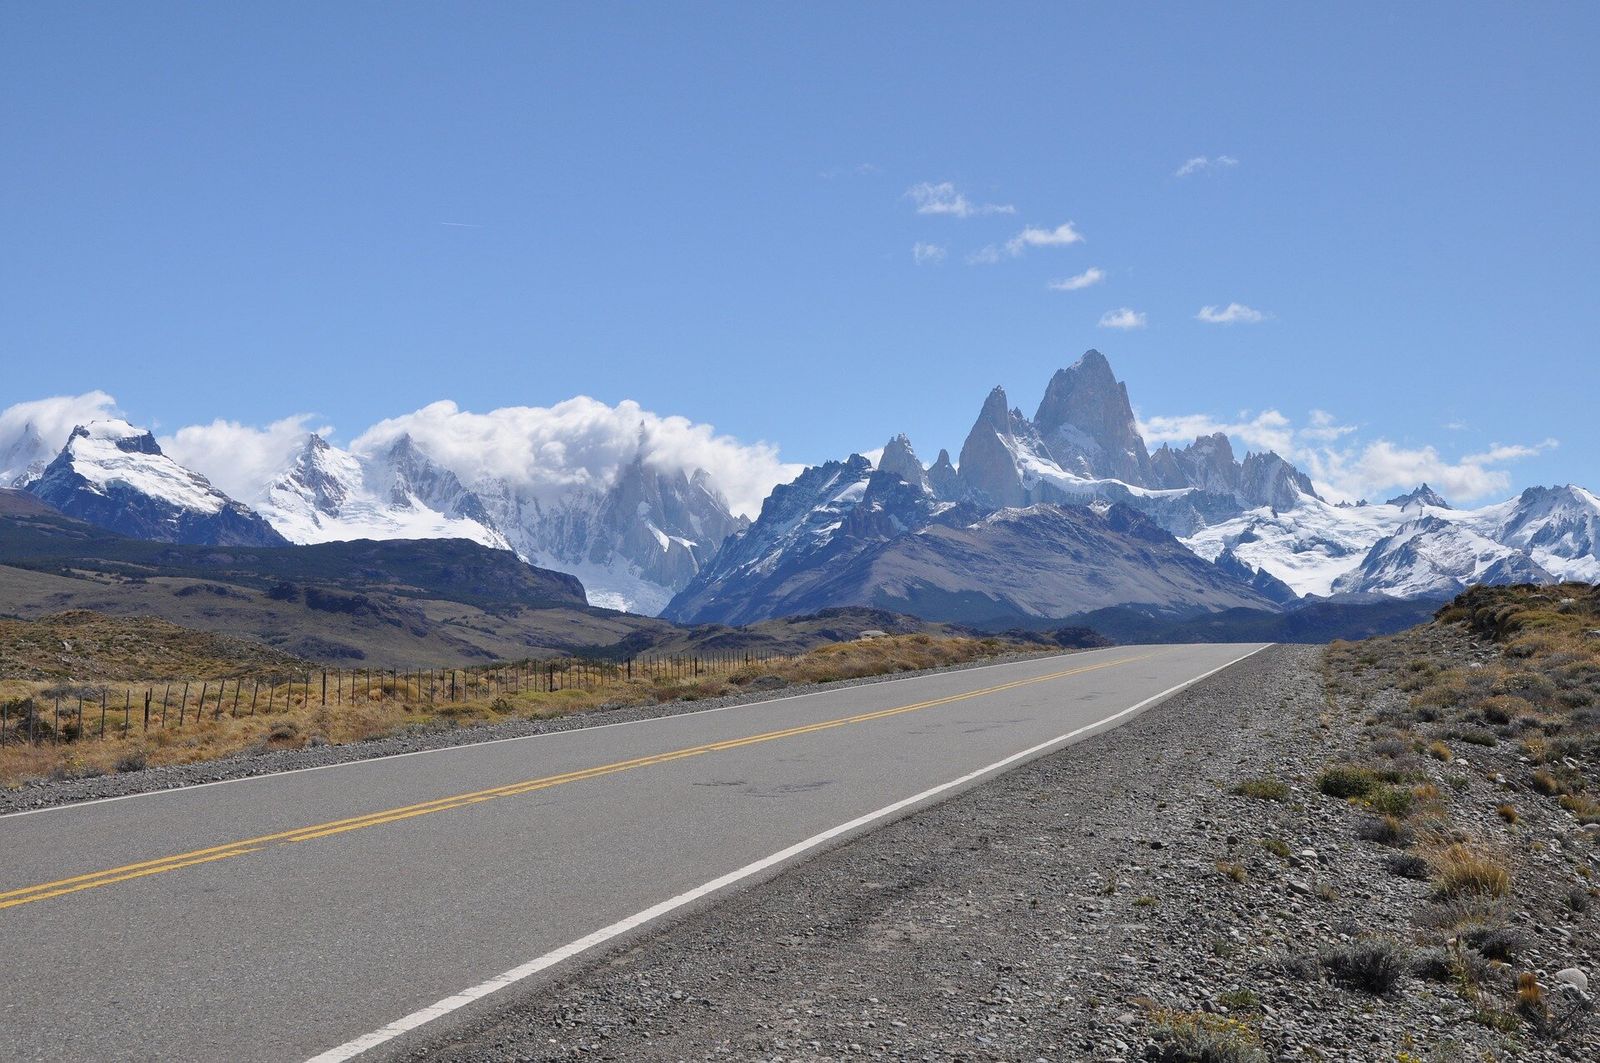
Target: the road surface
pixel 322 912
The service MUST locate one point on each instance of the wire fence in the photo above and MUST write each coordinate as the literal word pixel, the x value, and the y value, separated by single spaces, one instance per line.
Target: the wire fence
pixel 101 711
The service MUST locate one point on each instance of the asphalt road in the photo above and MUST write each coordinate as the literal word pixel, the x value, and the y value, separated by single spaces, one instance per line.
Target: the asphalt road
pixel 286 916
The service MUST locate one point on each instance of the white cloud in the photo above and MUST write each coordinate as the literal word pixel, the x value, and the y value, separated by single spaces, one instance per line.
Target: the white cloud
pixel 34 432
pixel 1499 452
pixel 1232 314
pixel 240 459
pixel 1325 427
pixel 1123 318
pixel 579 443
pixel 1032 236
pixel 1344 468
pixel 1381 467
pixel 923 254
pixel 1267 430
pixel 943 198
pixel 1077 282
pixel 1204 163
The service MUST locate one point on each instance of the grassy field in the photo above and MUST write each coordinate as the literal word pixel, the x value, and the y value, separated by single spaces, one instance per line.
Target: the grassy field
pixel 277 708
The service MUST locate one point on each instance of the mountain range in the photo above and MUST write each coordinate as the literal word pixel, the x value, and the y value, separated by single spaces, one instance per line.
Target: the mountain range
pixel 1057 515
pixel 1061 514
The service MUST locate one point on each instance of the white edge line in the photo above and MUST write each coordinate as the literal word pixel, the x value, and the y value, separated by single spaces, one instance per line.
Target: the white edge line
pixel 359 761
pixel 351 1049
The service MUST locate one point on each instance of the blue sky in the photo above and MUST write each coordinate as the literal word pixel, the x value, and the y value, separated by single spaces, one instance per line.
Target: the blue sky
pixel 354 210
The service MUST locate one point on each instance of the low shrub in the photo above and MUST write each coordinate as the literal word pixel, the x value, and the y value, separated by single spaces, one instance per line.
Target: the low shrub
pixel 1373 965
pixel 1464 871
pixel 1347 781
pixel 1503 708
pixel 1385 830
pixel 133 760
pixel 1459 914
pixel 1496 942
pixel 1584 807
pixel 1240 1000
pixel 1201 1037
pixel 1434 965
pixel 1390 800
pixel 1263 789
pixel 1408 865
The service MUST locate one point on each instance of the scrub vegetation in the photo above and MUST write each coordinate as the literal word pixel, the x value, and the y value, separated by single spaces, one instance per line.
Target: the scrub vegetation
pixel 213 697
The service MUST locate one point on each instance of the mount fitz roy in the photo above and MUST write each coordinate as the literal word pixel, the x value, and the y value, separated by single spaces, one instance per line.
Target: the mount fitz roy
pixel 1045 517
pixel 1069 512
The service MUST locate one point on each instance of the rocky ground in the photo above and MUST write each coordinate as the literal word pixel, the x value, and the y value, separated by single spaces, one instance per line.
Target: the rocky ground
pixel 1181 888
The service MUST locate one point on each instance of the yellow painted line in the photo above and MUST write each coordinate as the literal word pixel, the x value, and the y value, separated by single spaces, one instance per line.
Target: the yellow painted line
pixel 178 861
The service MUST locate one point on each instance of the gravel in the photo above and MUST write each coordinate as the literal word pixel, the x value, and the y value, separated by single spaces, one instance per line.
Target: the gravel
pixel 48 792
pixel 1051 915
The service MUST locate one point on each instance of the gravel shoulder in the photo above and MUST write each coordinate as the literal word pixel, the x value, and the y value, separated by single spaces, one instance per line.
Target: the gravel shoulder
pixel 1083 906
pixel 50 792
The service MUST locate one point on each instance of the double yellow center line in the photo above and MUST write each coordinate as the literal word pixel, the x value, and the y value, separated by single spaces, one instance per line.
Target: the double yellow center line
pixel 93 880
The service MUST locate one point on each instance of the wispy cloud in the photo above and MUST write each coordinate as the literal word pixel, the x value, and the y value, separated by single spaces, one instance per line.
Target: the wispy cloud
pixel 1062 235
pixel 241 459
pixel 461 224
pixel 32 433
pixel 1079 281
pixel 1346 468
pixel 1122 318
pixel 1204 164
pixel 1232 314
pixel 943 198
pixel 926 254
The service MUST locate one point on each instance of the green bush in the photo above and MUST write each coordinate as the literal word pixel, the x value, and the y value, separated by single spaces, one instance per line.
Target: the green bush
pixel 1263 789
pixel 1346 781
pixel 1390 800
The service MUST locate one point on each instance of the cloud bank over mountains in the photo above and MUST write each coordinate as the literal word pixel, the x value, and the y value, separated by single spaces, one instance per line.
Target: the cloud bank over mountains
pixel 1347 468
pixel 582 442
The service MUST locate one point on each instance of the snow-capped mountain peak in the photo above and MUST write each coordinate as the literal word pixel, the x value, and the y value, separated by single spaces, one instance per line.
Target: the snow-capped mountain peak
pixel 115 475
pixel 901 460
pixel 1421 497
pixel 24 457
pixel 329 494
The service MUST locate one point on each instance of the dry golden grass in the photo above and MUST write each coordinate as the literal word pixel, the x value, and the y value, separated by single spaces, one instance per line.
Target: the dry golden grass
pixel 1462 870
pixel 375 705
